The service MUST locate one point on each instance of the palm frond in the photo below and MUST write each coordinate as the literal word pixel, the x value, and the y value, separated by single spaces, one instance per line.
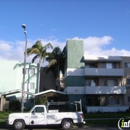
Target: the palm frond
pixel 38 45
pixel 56 52
pixel 28 51
pixel 47 46
pixel 48 54
pixel 34 58
pixel 52 62
pixel 56 62
pixel 33 51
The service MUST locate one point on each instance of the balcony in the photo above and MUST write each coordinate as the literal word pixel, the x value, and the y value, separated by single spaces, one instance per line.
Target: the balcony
pixel 105 90
pixel 94 109
pixel 103 72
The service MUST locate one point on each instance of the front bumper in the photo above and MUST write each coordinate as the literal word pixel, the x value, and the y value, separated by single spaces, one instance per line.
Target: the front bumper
pixel 7 123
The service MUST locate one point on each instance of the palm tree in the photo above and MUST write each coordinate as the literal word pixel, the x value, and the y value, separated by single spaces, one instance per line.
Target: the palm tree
pixel 40 52
pixel 56 63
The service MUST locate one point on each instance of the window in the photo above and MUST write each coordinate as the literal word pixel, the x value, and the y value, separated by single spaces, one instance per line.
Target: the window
pixel 128 98
pixel 127 64
pixel 103 65
pixel 38 110
pixel 31 86
pixel 114 65
pixel 127 81
pixel 90 101
pixel 110 82
pixel 113 100
pixel 109 65
pixel 117 100
pixel 88 82
pixel 91 65
pixel 93 101
pixel 29 71
pixel 91 82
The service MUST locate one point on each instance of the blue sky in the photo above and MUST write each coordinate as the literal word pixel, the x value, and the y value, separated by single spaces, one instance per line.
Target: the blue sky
pixel 103 25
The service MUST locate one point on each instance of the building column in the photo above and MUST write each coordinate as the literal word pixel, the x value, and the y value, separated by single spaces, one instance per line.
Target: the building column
pixel 2 103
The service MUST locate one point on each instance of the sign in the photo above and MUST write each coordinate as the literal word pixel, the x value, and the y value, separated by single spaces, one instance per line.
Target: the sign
pixel 24 92
pixel 124 124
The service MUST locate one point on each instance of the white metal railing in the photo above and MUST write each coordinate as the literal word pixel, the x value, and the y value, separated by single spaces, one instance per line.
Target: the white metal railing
pixel 106 108
pixel 103 72
pixel 105 89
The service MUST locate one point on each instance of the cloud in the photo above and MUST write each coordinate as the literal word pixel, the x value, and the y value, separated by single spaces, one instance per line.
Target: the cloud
pixel 5 46
pixel 92 46
pixel 98 46
pixel 96 41
pixel 15 50
pixel 54 42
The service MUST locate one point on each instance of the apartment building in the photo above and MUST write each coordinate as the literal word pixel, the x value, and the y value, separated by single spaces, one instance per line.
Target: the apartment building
pixel 11 77
pixel 101 82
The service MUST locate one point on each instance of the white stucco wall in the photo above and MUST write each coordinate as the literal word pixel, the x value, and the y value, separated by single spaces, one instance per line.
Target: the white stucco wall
pixel 11 76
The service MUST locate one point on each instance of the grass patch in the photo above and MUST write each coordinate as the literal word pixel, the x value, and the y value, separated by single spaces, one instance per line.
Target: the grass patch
pixel 3 118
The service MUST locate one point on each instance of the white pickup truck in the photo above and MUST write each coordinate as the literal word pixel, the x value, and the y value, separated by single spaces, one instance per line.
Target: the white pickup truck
pixel 40 115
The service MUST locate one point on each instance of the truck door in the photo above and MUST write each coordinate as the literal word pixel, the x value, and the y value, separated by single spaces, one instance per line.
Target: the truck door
pixel 38 116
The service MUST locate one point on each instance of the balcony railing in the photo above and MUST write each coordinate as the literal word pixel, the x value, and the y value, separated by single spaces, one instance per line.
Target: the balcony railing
pixel 103 72
pixel 105 90
pixel 106 108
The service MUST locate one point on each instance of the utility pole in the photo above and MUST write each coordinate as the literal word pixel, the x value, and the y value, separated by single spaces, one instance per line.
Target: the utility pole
pixel 24 69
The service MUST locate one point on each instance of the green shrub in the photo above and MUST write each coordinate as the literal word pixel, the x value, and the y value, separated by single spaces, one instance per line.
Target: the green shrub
pixel 14 105
pixel 41 100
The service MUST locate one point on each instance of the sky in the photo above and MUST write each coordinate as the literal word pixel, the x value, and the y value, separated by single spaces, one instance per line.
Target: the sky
pixel 103 25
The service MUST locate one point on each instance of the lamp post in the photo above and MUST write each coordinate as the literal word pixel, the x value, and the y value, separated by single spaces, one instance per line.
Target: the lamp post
pixel 24 69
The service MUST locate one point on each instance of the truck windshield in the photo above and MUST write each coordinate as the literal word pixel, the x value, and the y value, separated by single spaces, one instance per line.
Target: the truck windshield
pixel 37 109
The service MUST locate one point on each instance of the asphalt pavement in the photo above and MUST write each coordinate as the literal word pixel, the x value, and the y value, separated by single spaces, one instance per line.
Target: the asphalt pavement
pixel 84 127
pixel 75 128
pixel 96 127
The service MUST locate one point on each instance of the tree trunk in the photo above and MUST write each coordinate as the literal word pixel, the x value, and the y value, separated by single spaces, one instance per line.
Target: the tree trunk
pixel 58 78
pixel 39 72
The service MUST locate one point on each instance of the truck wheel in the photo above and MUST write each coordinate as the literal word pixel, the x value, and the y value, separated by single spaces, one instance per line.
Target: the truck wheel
pixel 19 125
pixel 67 124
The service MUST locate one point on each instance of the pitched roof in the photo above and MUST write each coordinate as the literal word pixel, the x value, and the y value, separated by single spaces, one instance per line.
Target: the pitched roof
pixel 48 91
pixel 10 92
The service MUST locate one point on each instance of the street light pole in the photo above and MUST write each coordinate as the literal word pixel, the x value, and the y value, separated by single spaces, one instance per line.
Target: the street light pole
pixel 24 69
